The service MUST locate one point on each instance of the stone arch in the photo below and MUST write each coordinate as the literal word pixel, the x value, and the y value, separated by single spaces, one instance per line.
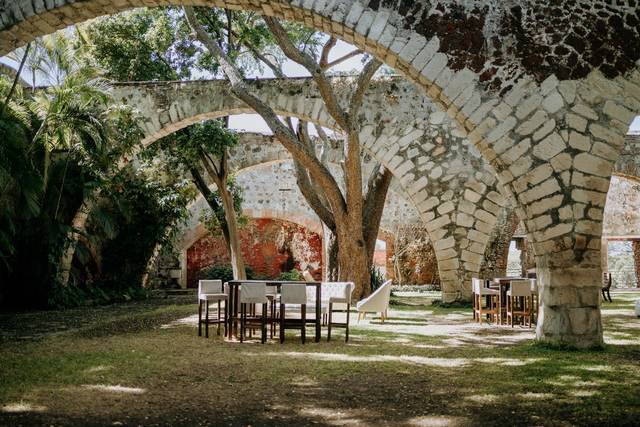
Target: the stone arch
pixel 454 189
pixel 548 116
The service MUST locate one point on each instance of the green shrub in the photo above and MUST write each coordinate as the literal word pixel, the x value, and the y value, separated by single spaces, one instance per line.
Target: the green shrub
pixel 377 278
pixel 291 276
pixel 223 272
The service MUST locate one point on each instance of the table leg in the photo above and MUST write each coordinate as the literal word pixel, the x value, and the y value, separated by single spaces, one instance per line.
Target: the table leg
pixel 318 311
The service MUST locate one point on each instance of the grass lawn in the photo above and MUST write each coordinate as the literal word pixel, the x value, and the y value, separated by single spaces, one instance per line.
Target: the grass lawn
pixel 142 363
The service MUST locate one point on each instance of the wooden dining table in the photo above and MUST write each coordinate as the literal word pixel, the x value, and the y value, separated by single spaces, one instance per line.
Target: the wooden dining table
pixel 232 310
pixel 503 284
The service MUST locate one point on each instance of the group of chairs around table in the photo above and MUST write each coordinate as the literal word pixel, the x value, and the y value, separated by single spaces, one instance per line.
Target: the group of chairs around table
pixel 264 307
pixel 519 302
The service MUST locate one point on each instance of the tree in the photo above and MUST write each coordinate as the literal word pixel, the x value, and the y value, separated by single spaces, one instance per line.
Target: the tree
pixel 356 214
pixel 204 147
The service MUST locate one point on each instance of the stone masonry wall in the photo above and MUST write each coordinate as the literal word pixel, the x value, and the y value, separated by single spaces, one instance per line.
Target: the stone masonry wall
pixel 268 246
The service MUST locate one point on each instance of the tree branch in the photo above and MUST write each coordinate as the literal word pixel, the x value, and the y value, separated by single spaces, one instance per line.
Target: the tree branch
pixel 377 189
pixel 337 61
pixel 324 57
pixel 364 79
pixel 16 78
pixel 318 75
pixel 280 131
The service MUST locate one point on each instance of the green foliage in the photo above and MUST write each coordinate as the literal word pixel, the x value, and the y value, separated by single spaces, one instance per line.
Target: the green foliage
pixel 141 44
pixel 293 275
pixel 377 278
pixel 186 148
pixel 224 272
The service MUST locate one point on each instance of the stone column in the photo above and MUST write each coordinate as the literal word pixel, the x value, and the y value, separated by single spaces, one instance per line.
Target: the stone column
pixel 569 301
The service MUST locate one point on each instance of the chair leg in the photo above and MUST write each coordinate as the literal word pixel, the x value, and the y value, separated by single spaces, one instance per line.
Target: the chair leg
pixel 199 317
pixel 281 323
pixel 243 320
pixel 206 326
pixel 219 309
pixel 226 305
pixel 609 295
pixel 303 329
pixel 263 326
pixel 346 337
pixel 330 316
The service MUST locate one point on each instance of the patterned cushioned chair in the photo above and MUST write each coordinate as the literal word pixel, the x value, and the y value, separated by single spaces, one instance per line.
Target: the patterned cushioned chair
pixel 377 302
pixel 211 291
pixel 337 293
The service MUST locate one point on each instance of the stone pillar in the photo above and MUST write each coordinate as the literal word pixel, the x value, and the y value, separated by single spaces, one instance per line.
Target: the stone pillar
pixel 636 260
pixel 569 301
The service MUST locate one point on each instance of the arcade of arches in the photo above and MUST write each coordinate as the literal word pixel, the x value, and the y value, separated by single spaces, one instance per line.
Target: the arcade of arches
pixel 543 93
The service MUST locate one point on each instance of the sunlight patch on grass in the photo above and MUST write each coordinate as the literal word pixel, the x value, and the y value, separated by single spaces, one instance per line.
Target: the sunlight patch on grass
pixel 534 396
pixel 332 416
pixel 18 407
pixel 438 421
pixel 114 388
pixel 411 360
pixel 483 398
pixel 99 368
pixel 583 393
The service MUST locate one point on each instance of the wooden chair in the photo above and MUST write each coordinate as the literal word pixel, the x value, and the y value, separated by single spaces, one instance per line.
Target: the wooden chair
pixel 250 295
pixel 211 291
pixel 519 301
pixel 296 296
pixel 481 292
pixel 606 286
pixel 338 293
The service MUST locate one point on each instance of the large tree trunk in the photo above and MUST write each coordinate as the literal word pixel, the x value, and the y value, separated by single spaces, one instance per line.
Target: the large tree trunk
pixel 235 253
pixel 330 249
pixel 353 260
pixel 78 227
pixel 227 234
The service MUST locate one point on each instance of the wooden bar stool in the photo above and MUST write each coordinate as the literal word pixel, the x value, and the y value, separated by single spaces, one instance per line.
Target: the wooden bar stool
pixel 480 292
pixel 338 293
pixel 211 291
pixel 294 294
pixel 519 301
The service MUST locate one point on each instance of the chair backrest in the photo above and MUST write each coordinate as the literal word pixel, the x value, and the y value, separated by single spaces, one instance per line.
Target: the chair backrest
pixel 476 284
pixel 293 294
pixel 521 288
pixel 606 280
pixel 253 293
pixel 337 290
pixel 210 287
pixel 384 291
pixel 307 276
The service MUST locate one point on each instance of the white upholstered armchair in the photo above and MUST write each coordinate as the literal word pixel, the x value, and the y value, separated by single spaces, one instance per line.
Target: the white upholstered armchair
pixel 377 302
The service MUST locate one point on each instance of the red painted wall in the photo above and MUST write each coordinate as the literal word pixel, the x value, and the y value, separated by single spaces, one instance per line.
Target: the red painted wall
pixel 269 247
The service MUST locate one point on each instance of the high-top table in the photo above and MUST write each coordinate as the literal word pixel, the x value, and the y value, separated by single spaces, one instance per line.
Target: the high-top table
pixel 232 310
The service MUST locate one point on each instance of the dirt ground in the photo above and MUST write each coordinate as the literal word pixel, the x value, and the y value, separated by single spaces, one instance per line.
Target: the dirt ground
pixel 143 364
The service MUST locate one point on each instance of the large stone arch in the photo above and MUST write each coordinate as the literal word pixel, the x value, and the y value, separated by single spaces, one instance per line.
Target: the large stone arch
pixel 545 90
pixel 454 189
